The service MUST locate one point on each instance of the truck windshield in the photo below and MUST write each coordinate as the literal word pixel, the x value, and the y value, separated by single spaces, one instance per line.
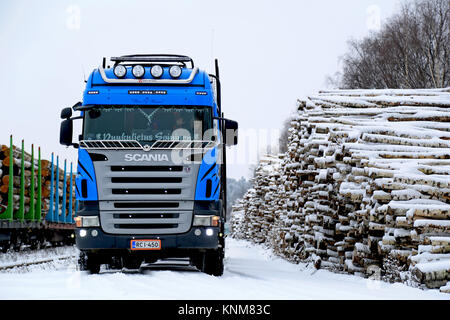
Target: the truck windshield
pixel 147 123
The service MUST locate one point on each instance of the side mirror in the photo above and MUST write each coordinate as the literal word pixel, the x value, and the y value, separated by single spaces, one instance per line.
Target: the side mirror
pixel 66 113
pixel 66 132
pixel 231 132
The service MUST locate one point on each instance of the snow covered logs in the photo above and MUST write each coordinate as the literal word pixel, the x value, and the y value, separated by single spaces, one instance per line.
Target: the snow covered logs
pixel 363 188
pixel 45 181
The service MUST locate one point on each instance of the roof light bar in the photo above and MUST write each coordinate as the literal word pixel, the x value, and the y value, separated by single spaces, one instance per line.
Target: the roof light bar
pixel 148 81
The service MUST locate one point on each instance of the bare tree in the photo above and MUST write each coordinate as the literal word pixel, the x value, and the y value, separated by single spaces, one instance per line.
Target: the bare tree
pixel 284 135
pixel 410 51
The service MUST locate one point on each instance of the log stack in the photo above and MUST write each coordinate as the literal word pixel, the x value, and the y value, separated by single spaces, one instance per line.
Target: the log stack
pixel 5 154
pixel 364 186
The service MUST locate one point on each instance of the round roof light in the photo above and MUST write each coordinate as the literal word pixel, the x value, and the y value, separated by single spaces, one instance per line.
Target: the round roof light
pixel 120 71
pixel 138 71
pixel 175 71
pixel 157 71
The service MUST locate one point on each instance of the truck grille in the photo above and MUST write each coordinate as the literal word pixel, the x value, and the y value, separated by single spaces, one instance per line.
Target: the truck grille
pixel 147 168
pixel 145 222
pixel 145 215
pixel 142 198
pixel 146 180
pixel 146 226
pixel 146 191
pixel 135 205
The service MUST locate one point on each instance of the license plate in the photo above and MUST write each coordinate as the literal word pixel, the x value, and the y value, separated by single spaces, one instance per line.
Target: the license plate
pixel 145 244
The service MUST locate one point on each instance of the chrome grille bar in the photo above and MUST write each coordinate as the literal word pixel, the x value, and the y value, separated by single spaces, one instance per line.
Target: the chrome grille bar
pixel 111 144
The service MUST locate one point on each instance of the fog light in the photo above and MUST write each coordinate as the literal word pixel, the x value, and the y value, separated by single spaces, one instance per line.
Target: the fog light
pixel 94 233
pixel 209 232
pixel 197 232
pixel 138 71
pixel 120 71
pixel 175 71
pixel 83 233
pixel 156 71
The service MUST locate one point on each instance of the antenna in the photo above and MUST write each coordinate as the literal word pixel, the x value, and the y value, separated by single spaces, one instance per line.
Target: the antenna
pixel 84 73
pixel 212 43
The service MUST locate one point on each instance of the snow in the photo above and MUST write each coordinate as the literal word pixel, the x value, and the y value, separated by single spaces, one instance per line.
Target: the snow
pixel 432 223
pixel 12 258
pixel 388 92
pixel 434 266
pixel 251 272
pixel 440 239
pixel 445 288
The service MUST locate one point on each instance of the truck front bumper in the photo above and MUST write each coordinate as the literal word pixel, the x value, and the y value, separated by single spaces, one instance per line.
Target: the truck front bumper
pixel 195 238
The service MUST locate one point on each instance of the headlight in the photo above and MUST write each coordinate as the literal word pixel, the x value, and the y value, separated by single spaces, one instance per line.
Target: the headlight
pixel 175 71
pixel 120 71
pixel 207 221
pixel 156 71
pixel 87 221
pixel 138 71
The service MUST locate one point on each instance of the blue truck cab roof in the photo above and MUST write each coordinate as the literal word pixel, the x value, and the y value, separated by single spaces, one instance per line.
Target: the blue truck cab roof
pixel 191 88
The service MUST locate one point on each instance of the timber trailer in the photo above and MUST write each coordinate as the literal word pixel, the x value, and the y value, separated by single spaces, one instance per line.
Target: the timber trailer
pixel 151 175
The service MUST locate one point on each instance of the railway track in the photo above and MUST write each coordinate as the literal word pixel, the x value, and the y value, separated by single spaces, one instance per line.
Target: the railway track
pixel 26 264
pixel 14 260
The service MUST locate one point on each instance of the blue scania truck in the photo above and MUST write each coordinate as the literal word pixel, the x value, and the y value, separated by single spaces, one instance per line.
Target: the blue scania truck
pixel 151 176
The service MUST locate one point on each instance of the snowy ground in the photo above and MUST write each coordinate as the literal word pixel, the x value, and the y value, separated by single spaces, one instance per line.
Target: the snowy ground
pixel 251 272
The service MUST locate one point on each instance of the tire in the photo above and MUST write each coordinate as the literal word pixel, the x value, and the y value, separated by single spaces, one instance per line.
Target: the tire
pixel 89 262
pixel 213 263
pixel 4 247
pixel 17 244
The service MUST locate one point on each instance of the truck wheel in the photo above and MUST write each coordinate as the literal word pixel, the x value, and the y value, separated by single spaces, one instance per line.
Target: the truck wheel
pixel 4 246
pixel 89 262
pixel 213 262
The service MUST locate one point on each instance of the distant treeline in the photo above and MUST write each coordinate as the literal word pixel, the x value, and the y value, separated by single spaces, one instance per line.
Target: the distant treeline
pixel 236 190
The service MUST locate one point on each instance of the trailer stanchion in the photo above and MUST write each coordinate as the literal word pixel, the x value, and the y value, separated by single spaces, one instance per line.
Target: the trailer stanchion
pixel 8 213
pixel 70 220
pixel 30 214
pixel 21 212
pixel 56 215
pixel 49 216
pixel 63 205
pixel 38 210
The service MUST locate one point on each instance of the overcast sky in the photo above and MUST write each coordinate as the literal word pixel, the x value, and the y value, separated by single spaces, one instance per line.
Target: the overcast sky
pixel 270 53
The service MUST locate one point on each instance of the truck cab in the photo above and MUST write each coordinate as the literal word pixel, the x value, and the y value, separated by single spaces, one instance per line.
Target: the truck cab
pixel 151 176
